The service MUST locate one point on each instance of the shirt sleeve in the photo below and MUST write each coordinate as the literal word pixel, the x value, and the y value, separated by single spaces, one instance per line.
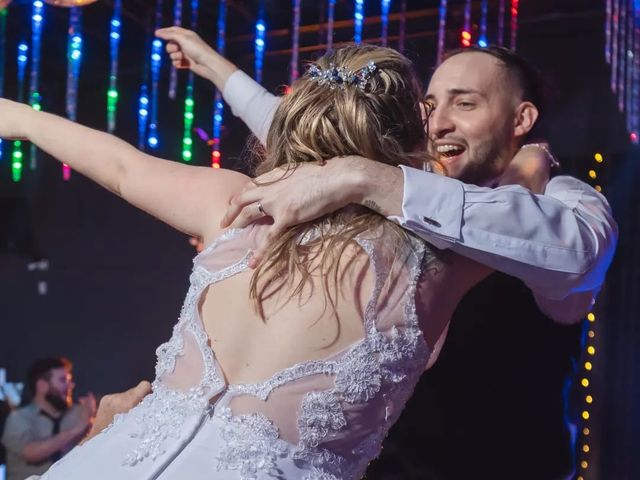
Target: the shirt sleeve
pixel 559 243
pixel 249 101
pixel 17 433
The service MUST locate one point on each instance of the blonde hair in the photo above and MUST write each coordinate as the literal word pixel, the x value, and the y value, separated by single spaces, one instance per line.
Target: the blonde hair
pixel 314 123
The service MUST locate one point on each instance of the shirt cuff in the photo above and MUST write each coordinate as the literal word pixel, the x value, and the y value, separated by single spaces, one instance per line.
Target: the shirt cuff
pixel 432 207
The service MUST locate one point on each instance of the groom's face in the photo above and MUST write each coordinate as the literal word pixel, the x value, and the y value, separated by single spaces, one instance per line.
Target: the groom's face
pixel 472 102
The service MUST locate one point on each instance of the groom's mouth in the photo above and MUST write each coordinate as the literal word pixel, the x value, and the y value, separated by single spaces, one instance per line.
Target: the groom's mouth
pixel 449 153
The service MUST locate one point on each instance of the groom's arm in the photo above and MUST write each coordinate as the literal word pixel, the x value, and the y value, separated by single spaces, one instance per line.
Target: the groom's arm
pixel 559 243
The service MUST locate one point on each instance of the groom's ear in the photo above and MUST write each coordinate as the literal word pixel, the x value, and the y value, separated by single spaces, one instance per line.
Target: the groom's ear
pixel 525 118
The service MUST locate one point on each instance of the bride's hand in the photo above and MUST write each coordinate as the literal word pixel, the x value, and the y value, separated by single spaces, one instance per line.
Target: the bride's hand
pixel 14 119
pixel 186 49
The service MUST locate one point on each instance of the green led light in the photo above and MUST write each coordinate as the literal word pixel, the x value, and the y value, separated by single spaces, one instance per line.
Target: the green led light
pixel 188 141
pixel 36 106
pixel 17 155
pixel 186 154
pixel 113 94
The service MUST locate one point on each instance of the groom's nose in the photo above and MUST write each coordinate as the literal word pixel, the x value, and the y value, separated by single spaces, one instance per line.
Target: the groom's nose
pixel 440 123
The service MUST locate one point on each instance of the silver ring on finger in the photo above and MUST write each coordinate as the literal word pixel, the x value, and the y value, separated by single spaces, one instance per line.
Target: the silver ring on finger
pixel 261 210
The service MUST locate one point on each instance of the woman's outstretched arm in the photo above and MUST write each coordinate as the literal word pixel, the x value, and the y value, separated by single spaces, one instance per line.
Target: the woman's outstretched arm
pixel 191 199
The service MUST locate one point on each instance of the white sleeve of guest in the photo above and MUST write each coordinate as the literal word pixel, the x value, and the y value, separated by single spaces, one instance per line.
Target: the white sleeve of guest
pixel 560 243
pixel 249 101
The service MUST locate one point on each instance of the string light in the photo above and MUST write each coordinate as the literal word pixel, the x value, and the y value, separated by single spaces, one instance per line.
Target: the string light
pixel 501 12
pixel 622 52
pixel 3 40
pixel 17 155
pixel 218 106
pixel 143 116
pixel 114 43
pixel 74 59
pixel 403 25
pixel 358 21
pixel 514 23
pixel 331 11
pixel 590 350
pixel 442 30
pixel 385 6
pixel 37 18
pixel 177 22
pixel 187 137
pixel 465 36
pixel 156 64
pixel 484 13
pixel 295 42
pixel 259 43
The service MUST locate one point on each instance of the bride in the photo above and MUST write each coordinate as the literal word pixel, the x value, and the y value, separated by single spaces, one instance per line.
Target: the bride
pixel 295 370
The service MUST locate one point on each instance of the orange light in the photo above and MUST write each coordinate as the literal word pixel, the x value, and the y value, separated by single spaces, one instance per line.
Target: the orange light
pixel 591 317
pixel 215 165
pixel 598 188
pixel 585 448
pixel 466 36
pixel 589 399
pixel 215 154
pixel 588 365
pixel 591 334
pixel 584 464
pixel 585 415
pixel 584 382
pixel 287 90
pixel 598 158
pixel 593 174
pixel 586 431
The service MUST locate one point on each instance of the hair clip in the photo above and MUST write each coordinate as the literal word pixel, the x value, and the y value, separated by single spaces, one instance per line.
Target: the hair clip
pixel 339 77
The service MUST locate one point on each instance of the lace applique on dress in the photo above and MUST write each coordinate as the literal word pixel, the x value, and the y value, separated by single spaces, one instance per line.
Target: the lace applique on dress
pixel 161 415
pixel 252 444
pixel 321 414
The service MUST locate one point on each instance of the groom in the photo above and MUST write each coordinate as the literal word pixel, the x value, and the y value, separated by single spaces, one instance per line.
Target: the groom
pixel 495 405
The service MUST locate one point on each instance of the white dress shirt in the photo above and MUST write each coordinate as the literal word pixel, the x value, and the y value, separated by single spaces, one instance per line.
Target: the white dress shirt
pixel 560 243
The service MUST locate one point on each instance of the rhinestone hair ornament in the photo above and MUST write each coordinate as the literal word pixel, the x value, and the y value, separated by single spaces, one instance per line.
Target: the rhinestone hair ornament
pixel 339 77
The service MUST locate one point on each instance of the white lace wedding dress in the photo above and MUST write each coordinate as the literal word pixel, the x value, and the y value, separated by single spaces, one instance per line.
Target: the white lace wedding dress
pixel 317 420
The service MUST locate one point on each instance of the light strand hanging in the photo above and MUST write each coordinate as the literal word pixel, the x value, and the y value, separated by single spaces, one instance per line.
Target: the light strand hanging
pixel 465 35
pixel 331 15
pixel 173 75
pixel 625 97
pixel 607 31
pixel 614 45
pixel 635 87
pixel 295 42
pixel 622 52
pixel 515 6
pixel 403 25
pixel 358 21
pixel 483 40
pixel 143 115
pixel 74 59
pixel 442 30
pixel 156 64
pixel 3 45
pixel 187 137
pixel 259 43
pixel 35 99
pixel 385 6
pixel 17 156
pixel 114 44
pixel 218 105
pixel 501 13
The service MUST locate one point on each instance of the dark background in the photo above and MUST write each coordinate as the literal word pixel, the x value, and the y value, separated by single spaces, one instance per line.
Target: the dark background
pixel 117 277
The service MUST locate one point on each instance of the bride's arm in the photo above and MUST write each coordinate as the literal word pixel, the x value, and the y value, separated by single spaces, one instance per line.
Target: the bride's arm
pixel 191 199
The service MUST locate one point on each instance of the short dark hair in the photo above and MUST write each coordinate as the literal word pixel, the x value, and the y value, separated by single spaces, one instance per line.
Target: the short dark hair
pixel 41 370
pixel 534 88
